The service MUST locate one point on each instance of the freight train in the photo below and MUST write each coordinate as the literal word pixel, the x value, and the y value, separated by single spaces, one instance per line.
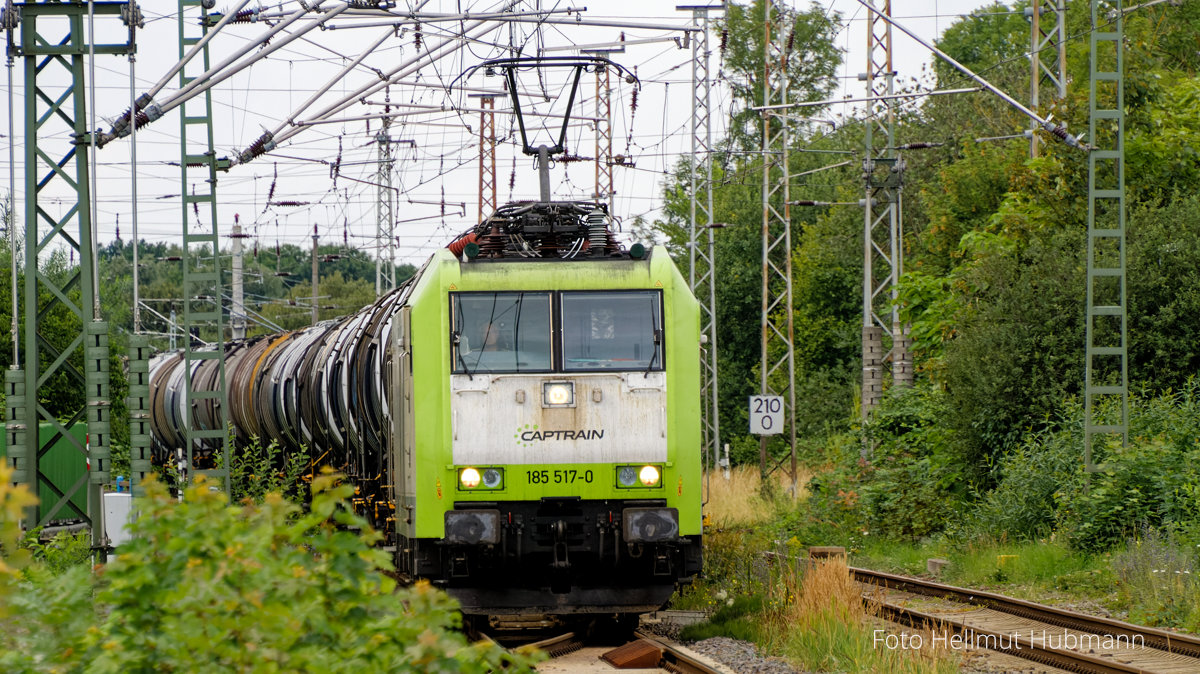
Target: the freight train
pixel 520 418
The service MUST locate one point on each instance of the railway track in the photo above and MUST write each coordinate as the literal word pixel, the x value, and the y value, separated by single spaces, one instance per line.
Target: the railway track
pixel 572 652
pixel 1052 636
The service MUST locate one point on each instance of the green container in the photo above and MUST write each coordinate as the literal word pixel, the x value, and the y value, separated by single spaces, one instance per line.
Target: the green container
pixel 62 467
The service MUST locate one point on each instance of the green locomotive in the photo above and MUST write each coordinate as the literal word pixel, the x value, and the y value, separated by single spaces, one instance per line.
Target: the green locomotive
pixel 545 417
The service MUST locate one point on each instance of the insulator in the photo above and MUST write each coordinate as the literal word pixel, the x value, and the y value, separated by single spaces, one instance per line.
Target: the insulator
pixel 131 15
pixel 417 36
pixel 791 42
pixel 10 17
pixel 264 144
pixel 597 226
pixel 246 16
pixel 288 203
pixel 271 189
pixel 724 40
pixel 492 243
pixel 146 112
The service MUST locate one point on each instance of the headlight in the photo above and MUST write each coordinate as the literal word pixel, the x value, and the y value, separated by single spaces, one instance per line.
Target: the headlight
pixel 558 394
pixel 490 477
pixel 639 477
pixel 648 476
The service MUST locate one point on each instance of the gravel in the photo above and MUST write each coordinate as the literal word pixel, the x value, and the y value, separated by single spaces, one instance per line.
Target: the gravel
pixel 741 656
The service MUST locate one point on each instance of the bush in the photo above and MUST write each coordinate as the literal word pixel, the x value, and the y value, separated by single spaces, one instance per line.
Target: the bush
pixel 1022 507
pixel 912 482
pixel 1154 482
pixel 206 586
pixel 258 470
pixel 62 552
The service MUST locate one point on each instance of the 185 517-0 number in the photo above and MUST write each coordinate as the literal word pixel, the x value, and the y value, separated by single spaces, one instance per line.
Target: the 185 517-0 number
pixel 568 476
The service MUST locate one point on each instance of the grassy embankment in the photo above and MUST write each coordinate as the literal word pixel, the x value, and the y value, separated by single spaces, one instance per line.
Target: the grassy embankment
pixel 812 616
pixel 1148 581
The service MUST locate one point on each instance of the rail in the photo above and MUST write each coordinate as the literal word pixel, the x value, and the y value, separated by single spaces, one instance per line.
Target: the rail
pixel 1029 648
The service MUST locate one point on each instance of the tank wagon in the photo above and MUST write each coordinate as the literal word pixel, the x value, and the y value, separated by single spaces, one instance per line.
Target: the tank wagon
pixel 521 418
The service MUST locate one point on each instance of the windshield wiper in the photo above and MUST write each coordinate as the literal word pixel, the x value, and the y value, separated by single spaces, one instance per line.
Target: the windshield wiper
pixel 455 339
pixel 654 356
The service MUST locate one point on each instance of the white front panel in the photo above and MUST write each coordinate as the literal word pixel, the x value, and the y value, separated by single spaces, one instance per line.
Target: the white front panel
pixel 616 418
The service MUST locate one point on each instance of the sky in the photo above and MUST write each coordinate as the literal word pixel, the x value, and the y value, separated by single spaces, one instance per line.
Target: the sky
pixel 281 196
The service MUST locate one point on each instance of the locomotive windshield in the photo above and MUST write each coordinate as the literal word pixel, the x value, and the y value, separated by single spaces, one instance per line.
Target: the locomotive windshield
pixel 501 332
pixel 612 331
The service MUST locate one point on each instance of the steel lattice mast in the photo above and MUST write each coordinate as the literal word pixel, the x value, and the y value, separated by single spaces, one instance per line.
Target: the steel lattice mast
pixel 700 218
pixel 604 161
pixel 1106 377
pixel 1047 56
pixel 201 253
pixel 53 47
pixel 385 270
pixel 777 367
pixel 883 171
pixel 487 157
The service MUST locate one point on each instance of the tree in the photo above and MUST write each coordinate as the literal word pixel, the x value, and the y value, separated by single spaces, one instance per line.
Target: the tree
pixel 808 51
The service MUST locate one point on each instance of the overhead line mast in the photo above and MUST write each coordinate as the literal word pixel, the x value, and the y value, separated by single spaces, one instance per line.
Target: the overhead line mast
pixel 883 251
pixel 1106 375
pixel 487 157
pixel 777 370
pixel 1047 38
pixel 207 451
pixel 702 263
pixel 57 152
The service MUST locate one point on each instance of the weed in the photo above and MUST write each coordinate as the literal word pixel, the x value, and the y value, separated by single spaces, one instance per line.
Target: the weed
pixel 1157 582
pixel 824 625
pixel 62 552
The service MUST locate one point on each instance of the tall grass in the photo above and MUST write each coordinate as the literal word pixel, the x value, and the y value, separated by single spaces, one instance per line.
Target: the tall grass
pixel 1159 582
pixel 739 500
pixel 819 621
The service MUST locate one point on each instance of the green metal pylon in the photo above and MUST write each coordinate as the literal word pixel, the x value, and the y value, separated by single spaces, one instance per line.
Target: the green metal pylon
pixel 1106 378
pixel 53 47
pixel 207 451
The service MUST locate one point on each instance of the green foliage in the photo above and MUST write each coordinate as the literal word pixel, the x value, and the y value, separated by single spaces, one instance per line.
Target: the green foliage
pixel 811 60
pixel 913 482
pixel 1022 505
pixel 1017 351
pixel 258 470
pixel 62 552
pixel 206 586
pixel 1164 292
pixel 833 513
pixel 1159 583
pixel 266 587
pixel 13 556
pixel 733 619
pixel 1041 485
